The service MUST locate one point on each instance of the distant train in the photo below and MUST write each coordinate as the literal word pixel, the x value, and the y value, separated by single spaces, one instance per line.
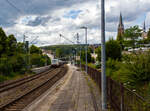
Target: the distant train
pixel 57 62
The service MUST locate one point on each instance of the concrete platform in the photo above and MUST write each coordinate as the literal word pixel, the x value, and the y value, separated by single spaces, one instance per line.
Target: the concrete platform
pixel 74 92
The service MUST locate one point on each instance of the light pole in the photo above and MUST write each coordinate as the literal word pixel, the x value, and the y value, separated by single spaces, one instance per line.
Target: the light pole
pixel 28 43
pixel 85 46
pixel 103 58
pixel 79 47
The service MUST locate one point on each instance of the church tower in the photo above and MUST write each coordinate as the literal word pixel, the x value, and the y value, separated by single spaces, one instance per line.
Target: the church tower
pixel 144 27
pixel 120 28
pixel 144 34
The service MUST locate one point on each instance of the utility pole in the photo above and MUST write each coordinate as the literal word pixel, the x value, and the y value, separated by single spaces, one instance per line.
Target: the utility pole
pixel 27 54
pixel 69 41
pixel 25 50
pixel 103 58
pixel 79 47
pixel 78 43
pixel 24 38
pixel 86 47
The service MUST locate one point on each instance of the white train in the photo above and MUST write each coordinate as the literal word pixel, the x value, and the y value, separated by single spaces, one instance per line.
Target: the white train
pixel 56 63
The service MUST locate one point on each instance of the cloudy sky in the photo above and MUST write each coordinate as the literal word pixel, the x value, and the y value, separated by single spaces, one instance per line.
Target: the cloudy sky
pixel 49 18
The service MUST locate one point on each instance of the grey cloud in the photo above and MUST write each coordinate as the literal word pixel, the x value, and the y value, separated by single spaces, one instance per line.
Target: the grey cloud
pixel 130 11
pixel 39 21
pixel 31 7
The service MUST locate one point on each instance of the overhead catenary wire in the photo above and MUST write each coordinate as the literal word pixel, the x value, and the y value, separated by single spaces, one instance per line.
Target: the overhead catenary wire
pixel 66 38
pixel 11 4
pixel 34 39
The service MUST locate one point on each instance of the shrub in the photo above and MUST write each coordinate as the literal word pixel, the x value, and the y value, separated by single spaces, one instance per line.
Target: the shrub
pixel 113 50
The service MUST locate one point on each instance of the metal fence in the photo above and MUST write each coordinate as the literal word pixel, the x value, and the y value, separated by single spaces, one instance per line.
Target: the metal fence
pixel 119 97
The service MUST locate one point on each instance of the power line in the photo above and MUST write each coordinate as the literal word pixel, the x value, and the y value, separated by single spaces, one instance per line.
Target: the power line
pixel 14 6
pixel 21 12
pixel 66 38
pixel 34 39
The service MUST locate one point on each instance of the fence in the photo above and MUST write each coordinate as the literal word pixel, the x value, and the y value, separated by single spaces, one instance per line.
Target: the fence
pixel 119 97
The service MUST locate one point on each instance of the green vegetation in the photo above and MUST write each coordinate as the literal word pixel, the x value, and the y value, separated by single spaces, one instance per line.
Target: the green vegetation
pixel 113 50
pixel 64 50
pixel 59 53
pixel 14 58
pixel 132 69
pixel 89 58
pixel 37 58
pixel 131 35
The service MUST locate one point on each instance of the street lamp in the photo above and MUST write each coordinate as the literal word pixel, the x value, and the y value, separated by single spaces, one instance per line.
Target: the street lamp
pixel 85 28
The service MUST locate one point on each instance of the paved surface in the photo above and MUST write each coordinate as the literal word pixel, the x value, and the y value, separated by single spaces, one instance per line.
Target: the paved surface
pixel 75 92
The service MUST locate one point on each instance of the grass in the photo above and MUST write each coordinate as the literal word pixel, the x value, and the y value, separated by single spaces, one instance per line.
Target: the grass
pixel 13 76
pixel 92 65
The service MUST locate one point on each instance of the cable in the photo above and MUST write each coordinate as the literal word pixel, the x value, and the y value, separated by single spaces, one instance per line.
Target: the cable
pixel 13 6
pixel 34 39
pixel 66 38
pixel 21 12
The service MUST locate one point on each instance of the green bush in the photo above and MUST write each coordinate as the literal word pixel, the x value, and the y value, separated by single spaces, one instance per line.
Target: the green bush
pixel 14 58
pixel 113 50
pixel 89 58
pixel 5 66
pixel 2 78
pixel 134 69
pixel 112 68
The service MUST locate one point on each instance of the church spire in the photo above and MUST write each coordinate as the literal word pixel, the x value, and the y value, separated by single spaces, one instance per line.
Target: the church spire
pixel 144 27
pixel 121 22
pixel 120 28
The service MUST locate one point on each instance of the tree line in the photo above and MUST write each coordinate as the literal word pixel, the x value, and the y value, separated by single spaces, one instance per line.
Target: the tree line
pixel 15 59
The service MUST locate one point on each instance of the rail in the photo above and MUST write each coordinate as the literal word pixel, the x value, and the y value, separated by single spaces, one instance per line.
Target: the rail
pixel 119 97
pixel 18 98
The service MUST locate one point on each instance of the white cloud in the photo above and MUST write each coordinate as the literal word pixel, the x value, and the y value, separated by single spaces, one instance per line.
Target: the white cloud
pixel 50 21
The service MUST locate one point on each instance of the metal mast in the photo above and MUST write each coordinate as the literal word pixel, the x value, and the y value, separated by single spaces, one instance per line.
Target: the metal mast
pixel 103 57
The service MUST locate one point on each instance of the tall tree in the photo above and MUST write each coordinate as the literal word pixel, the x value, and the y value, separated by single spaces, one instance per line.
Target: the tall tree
pixel 113 50
pixel 11 45
pixel 132 34
pixel 59 53
pixel 36 50
pixel 89 58
pixel 20 47
pixel 3 44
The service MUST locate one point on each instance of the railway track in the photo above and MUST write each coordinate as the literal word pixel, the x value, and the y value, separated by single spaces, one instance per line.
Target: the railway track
pixel 19 97
pixel 9 85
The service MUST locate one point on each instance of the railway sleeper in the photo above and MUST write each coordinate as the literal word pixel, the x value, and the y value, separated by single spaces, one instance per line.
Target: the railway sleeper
pixel 19 104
